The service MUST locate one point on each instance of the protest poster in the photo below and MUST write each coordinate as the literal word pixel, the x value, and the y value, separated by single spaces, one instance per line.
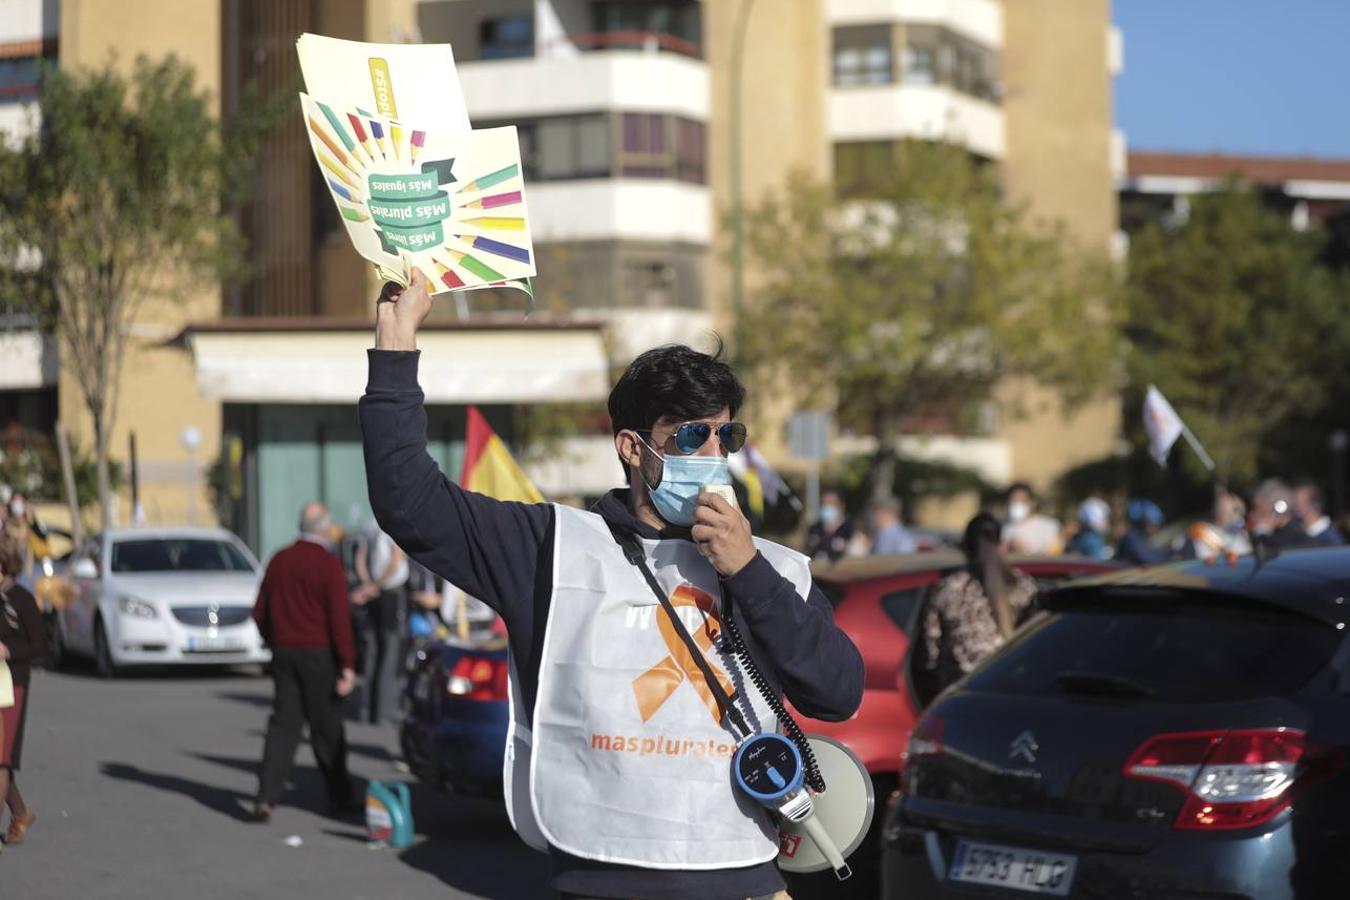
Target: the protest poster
pixel 415 186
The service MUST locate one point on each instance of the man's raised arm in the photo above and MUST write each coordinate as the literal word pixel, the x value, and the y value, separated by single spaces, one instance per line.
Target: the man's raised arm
pixel 488 548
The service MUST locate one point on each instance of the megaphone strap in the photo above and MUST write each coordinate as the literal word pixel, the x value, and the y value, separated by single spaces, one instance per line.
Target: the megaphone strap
pixel 632 551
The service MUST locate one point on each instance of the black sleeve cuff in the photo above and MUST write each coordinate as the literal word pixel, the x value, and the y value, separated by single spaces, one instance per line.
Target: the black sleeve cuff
pixel 755 583
pixel 393 370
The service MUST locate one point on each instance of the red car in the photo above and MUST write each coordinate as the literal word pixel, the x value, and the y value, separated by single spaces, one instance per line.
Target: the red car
pixel 880 602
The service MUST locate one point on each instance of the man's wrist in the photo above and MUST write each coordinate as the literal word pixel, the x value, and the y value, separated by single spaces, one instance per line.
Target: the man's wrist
pixel 391 339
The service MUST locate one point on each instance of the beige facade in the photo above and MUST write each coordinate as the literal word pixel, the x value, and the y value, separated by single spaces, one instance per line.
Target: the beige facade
pixel 784 84
pixel 159 392
pixel 1056 111
pixel 1058 114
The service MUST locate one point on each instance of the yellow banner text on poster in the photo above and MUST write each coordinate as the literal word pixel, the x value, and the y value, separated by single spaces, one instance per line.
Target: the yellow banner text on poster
pixel 383 86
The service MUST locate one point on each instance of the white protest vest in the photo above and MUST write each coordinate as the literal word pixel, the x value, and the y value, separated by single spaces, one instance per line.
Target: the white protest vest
pixel 626 761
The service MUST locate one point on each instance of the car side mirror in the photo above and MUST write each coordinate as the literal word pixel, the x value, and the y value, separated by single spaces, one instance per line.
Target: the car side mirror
pixel 84 568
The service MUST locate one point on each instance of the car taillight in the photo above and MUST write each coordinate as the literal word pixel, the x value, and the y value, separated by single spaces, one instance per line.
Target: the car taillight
pixel 1232 779
pixel 477 678
pixel 925 739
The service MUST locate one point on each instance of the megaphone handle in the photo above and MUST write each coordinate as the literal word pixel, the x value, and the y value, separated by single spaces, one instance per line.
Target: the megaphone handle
pixel 821 838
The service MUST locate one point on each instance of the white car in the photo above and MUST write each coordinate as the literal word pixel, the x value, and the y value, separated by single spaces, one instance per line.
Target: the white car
pixel 162 596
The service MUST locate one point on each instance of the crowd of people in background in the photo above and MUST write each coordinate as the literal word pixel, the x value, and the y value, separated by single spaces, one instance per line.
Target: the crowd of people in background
pixel 1281 515
pixel 977 607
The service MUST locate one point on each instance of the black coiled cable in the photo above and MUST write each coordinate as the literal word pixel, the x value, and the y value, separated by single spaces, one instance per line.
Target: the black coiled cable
pixel 794 731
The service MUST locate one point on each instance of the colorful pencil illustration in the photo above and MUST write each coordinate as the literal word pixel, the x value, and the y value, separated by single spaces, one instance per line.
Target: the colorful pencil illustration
pixel 470 264
pixel 343 174
pixel 354 215
pixel 361 135
pixel 497 248
pixel 344 193
pixel 488 180
pixel 377 131
pixel 492 202
pixel 447 275
pixel 497 223
pixel 395 137
pixel 339 130
pixel 418 139
pixel 328 142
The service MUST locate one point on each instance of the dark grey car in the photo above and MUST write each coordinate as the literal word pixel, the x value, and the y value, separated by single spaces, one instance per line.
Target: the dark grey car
pixel 1161 733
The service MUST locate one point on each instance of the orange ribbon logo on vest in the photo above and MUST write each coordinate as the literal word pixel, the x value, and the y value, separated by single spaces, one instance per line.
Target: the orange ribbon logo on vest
pixel 655 686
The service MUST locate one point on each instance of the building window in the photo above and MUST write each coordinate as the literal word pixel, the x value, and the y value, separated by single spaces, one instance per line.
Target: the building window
pixel 19 78
pixel 920 65
pixel 862 55
pixel 674 25
pixel 506 37
pixel 938 56
pixel 643 148
pixel 600 145
pixel 691 139
pixel 860 166
pixel 572 147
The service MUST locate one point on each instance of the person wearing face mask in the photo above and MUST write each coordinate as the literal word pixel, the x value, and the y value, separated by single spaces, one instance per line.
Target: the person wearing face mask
pixel 1136 547
pixel 1026 531
pixel 829 537
pixel 618 753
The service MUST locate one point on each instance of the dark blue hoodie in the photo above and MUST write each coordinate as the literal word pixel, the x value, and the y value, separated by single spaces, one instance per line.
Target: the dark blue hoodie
pixel 501 553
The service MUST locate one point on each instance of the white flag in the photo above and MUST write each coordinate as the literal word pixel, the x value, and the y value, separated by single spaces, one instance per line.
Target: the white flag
pixel 1162 424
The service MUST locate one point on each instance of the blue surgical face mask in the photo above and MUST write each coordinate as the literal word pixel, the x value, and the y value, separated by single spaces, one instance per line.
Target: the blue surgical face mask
pixel 682 477
pixel 829 515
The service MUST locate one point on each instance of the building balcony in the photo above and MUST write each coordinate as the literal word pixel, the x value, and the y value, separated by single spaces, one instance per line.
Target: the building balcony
pixel 620 209
pixel 889 112
pixel 560 83
pixel 28 360
pixel 978 20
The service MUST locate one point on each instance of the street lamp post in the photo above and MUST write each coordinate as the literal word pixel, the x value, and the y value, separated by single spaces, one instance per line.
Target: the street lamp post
pixel 191 439
pixel 737 200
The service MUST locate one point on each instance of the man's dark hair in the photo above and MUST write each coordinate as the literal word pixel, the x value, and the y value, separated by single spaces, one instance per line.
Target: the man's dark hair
pixel 1315 495
pixel 1019 486
pixel 674 382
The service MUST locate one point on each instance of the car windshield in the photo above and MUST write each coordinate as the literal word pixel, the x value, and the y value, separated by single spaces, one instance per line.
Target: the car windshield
pixel 178 555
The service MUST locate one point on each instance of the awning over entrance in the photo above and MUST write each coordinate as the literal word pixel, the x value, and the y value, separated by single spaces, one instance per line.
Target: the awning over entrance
pixel 316 361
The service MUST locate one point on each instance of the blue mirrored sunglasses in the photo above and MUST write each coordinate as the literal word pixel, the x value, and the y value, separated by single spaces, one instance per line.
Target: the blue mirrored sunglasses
pixel 691 436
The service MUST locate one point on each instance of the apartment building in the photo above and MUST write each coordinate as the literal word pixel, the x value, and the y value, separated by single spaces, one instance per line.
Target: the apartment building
pixel 1310 190
pixel 628 130
pixel 28 359
pixel 1025 86
pixel 251 390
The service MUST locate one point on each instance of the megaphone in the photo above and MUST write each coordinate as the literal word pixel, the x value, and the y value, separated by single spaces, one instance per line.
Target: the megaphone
pixel 816 831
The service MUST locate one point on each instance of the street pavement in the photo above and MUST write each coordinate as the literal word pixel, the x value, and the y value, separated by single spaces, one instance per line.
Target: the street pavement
pixel 141 785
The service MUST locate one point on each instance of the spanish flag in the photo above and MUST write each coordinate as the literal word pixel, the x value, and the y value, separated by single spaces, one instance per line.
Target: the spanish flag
pixel 488 466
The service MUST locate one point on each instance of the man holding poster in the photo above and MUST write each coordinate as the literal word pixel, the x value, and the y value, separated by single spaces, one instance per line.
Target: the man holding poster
pixel 627 703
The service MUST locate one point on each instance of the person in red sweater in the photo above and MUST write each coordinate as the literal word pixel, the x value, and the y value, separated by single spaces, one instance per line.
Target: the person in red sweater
pixel 303 616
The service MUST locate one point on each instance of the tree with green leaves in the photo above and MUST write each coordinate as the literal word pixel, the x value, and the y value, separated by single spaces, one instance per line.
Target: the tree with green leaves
pixel 122 193
pixel 1235 319
pixel 916 295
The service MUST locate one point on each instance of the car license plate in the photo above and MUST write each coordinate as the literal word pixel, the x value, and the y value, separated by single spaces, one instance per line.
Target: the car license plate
pixel 1012 867
pixel 213 644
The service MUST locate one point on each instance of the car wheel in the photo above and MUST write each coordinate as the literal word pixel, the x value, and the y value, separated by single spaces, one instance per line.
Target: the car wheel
pixel 103 661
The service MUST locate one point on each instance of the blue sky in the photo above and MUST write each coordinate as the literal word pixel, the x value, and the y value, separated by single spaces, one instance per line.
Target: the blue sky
pixel 1237 76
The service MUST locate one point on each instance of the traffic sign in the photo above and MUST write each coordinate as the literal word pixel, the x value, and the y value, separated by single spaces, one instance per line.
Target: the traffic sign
pixel 809 436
